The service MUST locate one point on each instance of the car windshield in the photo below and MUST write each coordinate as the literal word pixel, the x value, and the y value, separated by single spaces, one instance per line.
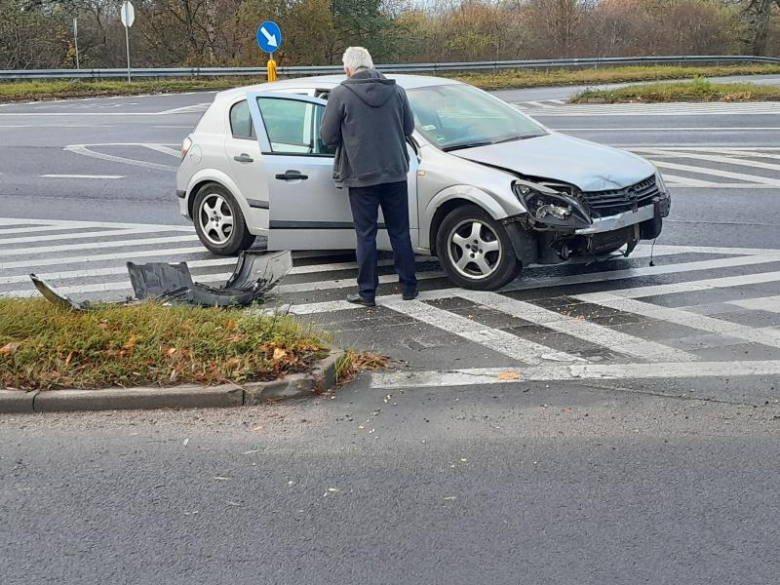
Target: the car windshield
pixel 454 117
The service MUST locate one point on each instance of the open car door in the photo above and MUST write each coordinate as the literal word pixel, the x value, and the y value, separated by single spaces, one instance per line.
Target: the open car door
pixel 307 211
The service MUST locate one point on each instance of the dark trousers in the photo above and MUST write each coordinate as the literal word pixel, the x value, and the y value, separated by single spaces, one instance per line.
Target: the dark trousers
pixel 393 198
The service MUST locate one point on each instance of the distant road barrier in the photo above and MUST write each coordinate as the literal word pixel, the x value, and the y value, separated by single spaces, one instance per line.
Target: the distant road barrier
pixel 295 71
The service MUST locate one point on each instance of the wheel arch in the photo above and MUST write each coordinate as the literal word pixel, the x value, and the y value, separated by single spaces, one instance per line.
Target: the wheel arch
pixel 200 180
pixel 454 197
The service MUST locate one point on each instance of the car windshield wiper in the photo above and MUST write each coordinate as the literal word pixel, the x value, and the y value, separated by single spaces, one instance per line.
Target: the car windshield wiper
pixel 486 142
pixel 467 145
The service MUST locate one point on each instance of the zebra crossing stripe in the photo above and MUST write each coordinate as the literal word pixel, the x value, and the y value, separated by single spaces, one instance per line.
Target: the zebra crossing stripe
pixel 499 341
pixel 102 245
pixel 582 329
pixel 547 282
pixel 737 161
pixel 768 304
pixel 717 173
pixel 762 336
pixel 575 372
pixel 78 236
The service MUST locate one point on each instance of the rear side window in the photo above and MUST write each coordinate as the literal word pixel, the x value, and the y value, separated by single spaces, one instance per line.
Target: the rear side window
pixel 241 121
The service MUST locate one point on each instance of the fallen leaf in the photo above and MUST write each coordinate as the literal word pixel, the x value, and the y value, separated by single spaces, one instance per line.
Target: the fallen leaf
pixel 464 460
pixel 171 351
pixel 9 348
pixel 231 324
pixel 174 376
pixel 70 357
pixel 509 376
pixel 279 354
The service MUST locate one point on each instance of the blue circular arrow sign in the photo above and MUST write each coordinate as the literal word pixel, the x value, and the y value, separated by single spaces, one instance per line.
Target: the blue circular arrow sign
pixel 269 36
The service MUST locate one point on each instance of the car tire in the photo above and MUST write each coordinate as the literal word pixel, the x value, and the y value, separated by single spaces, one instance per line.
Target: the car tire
pixel 490 261
pixel 219 222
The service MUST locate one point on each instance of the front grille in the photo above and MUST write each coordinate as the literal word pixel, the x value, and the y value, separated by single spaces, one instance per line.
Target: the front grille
pixel 606 203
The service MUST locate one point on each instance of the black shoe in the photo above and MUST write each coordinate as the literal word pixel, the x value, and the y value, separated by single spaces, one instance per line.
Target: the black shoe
pixel 358 300
pixel 410 296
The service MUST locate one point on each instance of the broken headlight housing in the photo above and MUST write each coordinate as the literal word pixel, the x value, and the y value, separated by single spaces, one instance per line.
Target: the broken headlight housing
pixel 659 182
pixel 552 209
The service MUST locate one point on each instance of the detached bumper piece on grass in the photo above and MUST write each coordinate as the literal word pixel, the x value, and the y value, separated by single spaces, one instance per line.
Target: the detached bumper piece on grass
pixel 255 274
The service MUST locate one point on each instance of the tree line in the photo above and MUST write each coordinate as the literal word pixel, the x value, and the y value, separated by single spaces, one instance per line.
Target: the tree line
pixel 170 33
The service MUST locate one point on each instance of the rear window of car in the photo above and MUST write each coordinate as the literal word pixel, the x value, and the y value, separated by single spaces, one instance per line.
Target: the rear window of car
pixel 241 121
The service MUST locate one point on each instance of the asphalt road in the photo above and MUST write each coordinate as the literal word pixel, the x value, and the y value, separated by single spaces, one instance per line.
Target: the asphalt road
pixel 605 423
pixel 531 484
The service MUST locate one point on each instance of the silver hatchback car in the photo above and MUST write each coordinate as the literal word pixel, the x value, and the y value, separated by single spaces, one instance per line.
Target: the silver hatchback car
pixel 491 190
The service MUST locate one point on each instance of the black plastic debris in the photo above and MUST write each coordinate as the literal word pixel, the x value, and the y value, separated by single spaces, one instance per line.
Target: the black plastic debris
pixel 255 274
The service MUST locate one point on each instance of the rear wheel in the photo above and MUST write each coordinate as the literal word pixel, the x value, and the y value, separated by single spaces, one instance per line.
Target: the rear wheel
pixel 475 250
pixel 219 222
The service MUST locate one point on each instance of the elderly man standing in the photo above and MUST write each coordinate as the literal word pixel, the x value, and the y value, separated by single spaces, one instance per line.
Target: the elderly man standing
pixel 368 120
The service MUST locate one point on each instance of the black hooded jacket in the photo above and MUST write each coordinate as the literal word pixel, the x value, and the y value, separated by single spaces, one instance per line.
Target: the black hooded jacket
pixel 368 120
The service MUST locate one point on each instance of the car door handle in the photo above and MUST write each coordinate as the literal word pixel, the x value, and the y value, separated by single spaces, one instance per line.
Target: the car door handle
pixel 244 158
pixel 292 176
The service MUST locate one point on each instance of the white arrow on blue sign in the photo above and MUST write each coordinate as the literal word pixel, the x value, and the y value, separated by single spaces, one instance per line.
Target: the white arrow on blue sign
pixel 269 36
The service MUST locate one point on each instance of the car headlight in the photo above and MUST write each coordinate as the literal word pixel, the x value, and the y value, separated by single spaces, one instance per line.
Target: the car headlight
pixel 552 209
pixel 659 182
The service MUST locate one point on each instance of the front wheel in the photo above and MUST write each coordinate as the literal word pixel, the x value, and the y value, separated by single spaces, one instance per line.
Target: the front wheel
pixel 219 222
pixel 475 250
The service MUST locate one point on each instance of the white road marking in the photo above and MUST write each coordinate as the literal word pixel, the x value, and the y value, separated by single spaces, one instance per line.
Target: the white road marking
pixel 697 285
pixel 661 371
pixel 346 283
pixel 104 177
pixel 580 328
pixel 547 282
pixel 722 159
pixel 768 304
pixel 228 262
pixel 164 149
pixel 209 278
pixel 99 245
pixel 57 224
pixel 82 235
pixel 138 254
pixel 688 182
pixel 718 173
pixel 763 336
pixel 84 151
pixel 499 341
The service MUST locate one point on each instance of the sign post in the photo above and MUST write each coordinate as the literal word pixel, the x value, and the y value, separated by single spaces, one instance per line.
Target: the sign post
pixel 269 38
pixel 128 18
pixel 76 39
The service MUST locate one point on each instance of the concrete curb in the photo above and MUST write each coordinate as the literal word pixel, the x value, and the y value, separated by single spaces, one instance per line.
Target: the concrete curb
pixel 321 379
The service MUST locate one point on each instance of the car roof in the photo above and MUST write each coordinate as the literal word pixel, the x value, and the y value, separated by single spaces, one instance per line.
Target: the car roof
pixel 331 81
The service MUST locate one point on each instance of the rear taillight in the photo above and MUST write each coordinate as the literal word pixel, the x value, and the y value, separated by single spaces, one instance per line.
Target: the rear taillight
pixel 185 147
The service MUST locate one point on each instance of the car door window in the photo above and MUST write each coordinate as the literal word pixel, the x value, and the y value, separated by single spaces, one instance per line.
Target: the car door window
pixel 241 121
pixel 293 127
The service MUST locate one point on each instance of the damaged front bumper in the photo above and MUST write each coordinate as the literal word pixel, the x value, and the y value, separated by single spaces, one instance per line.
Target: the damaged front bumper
pixel 559 225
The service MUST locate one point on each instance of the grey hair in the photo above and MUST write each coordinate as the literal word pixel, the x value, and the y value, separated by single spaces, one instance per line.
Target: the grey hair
pixel 357 58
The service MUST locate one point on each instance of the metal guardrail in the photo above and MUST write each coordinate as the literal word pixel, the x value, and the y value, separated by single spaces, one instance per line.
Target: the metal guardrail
pixel 301 71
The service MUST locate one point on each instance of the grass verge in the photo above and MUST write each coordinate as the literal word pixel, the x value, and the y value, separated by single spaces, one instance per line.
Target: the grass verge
pixel 512 79
pixel 699 90
pixel 45 347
